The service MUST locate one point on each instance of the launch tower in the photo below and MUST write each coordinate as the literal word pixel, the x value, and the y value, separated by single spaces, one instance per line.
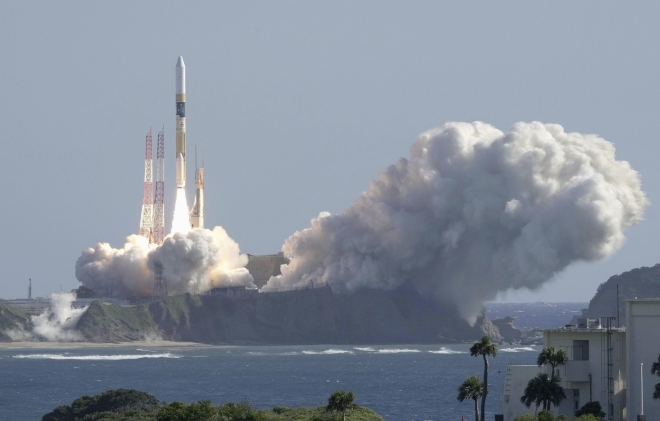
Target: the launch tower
pixel 146 221
pixel 159 196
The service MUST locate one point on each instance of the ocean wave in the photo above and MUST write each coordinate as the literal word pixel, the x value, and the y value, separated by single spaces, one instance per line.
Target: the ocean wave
pixel 396 351
pixel 328 352
pixel 519 349
pixel 444 350
pixel 94 357
pixel 367 349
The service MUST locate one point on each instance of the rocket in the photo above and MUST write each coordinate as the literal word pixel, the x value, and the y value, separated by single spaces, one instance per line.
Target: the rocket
pixel 180 123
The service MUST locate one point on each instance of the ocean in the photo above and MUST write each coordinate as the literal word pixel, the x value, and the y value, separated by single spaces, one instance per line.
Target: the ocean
pixel 402 382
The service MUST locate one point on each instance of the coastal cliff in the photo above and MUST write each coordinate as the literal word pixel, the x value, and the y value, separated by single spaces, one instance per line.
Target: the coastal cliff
pixel 311 316
pixel 642 282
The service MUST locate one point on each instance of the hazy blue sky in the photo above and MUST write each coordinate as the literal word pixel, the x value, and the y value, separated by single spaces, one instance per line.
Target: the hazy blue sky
pixel 298 105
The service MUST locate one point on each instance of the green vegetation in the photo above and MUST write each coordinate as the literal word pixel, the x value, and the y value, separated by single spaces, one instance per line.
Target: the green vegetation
pixel 552 357
pixel 471 388
pixel 655 369
pixel 133 405
pixel 544 390
pixel 542 416
pixel 591 408
pixel 484 348
pixel 12 318
pixel 643 282
pixel 340 401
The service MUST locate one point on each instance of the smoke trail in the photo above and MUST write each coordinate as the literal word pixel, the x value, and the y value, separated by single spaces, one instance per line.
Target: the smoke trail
pixel 180 221
pixel 474 211
pixel 193 261
pixel 56 324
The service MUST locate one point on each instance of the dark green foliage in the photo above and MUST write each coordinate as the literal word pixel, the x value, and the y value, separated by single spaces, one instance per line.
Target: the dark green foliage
pixel 541 416
pixel 643 282
pixel 340 401
pixel 484 348
pixel 114 402
pixel 471 388
pixel 239 412
pixel 552 357
pixel 133 405
pixel 655 369
pixel 593 408
pixel 179 411
pixel 543 390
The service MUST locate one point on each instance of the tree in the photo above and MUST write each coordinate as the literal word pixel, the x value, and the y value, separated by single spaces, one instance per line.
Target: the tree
pixel 340 401
pixel 471 388
pixel 592 408
pixel 552 357
pixel 543 390
pixel 655 369
pixel 179 411
pixel 239 412
pixel 484 348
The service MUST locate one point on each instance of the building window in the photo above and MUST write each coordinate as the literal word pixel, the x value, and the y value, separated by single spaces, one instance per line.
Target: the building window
pixel 576 398
pixel 581 350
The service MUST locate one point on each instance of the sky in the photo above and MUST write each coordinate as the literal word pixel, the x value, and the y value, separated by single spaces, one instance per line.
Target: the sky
pixel 296 106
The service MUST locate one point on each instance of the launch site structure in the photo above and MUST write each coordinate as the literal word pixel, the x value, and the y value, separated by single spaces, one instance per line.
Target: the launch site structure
pixel 152 221
pixel 159 196
pixel 146 220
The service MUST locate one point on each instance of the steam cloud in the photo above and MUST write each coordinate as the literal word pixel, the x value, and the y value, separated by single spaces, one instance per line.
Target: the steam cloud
pixel 192 261
pixel 474 211
pixel 56 324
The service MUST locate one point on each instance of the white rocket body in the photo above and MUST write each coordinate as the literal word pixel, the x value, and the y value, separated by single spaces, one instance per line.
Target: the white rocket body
pixel 180 123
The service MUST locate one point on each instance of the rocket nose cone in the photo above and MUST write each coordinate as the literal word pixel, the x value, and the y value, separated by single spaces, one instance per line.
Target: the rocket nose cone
pixel 179 62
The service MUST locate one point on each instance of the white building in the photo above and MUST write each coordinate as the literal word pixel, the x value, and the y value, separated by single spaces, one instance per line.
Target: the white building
pixel 600 358
pixel 643 345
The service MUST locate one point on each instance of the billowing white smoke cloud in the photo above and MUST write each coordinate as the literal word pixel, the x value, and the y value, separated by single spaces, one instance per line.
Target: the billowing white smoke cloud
pixel 473 212
pixel 56 324
pixel 192 262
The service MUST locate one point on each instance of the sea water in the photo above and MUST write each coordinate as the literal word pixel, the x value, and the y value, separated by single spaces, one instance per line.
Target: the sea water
pixel 402 382
pixel 410 382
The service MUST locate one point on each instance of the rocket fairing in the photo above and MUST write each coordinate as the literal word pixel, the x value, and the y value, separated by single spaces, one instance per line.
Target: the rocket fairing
pixel 180 123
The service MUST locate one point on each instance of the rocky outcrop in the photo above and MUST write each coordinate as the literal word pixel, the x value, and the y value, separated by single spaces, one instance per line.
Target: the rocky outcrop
pixel 509 332
pixel 311 316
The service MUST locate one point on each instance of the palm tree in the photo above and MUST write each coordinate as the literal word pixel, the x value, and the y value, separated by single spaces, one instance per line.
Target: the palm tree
pixel 340 401
pixel 655 369
pixel 552 357
pixel 545 390
pixel 484 348
pixel 471 388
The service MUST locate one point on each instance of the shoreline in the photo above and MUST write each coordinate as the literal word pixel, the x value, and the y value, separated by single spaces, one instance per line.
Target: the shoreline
pixel 141 344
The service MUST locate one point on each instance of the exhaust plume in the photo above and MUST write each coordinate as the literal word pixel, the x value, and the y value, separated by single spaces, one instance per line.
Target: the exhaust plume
pixel 473 212
pixel 57 324
pixel 193 261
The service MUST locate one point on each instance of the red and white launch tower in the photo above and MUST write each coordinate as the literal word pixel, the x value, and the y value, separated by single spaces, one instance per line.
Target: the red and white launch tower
pixel 159 197
pixel 147 219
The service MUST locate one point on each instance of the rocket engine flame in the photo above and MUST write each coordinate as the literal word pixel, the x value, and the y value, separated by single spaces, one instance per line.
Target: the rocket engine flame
pixel 181 219
pixel 473 212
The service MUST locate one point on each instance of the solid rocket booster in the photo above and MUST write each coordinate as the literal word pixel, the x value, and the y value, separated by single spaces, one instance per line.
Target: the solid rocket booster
pixel 180 123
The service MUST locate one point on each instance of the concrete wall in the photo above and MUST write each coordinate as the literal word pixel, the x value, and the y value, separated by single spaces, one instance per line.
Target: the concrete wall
pixel 517 377
pixel 643 344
